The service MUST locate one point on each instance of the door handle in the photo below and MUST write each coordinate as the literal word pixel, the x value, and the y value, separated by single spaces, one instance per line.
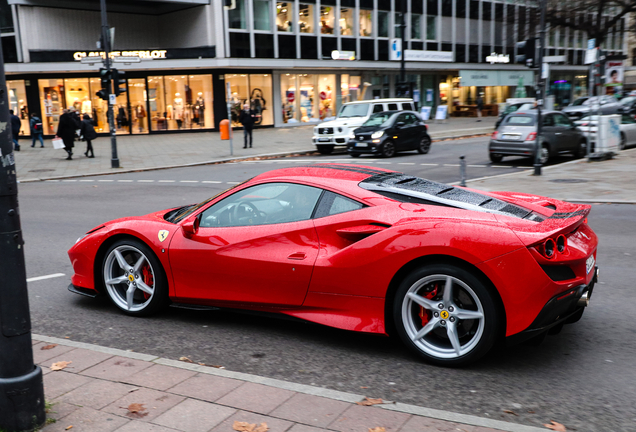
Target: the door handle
pixel 298 256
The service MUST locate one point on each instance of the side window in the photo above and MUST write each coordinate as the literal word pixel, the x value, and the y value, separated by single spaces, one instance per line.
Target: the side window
pixel 264 204
pixel 393 107
pixel 411 119
pixel 332 204
pixel 561 120
pixel 378 108
pixel 627 119
pixel 407 106
pixel 548 120
pixel 402 118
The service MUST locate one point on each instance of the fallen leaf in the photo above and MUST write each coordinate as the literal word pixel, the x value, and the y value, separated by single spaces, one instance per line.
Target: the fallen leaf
pixel 370 401
pixel 555 426
pixel 185 359
pixel 48 347
pixel 510 412
pixel 136 407
pixel 364 387
pixel 530 412
pixel 60 365
pixel 377 429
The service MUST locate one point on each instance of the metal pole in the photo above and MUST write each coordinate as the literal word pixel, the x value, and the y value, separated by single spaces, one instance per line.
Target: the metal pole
pixel 21 387
pixel 462 170
pixel 229 116
pixel 540 92
pixel 402 58
pixel 114 161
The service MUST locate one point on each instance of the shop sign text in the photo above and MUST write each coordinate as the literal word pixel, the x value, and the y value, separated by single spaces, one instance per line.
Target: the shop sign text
pixel 498 58
pixel 147 54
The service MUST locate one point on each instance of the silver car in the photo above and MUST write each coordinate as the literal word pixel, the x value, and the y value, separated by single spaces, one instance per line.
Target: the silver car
pixel 592 105
pixel 588 126
pixel 517 135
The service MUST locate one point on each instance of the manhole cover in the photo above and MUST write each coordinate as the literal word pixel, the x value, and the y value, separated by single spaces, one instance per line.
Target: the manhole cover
pixel 568 180
pixel 41 170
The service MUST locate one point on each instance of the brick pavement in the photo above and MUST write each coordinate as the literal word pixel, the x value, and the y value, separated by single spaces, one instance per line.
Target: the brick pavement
pixel 104 390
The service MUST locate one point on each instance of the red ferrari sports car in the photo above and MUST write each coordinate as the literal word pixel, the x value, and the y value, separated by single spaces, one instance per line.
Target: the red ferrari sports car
pixel 450 269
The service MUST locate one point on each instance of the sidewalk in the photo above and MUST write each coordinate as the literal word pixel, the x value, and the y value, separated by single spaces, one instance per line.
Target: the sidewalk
pixel 143 152
pixel 102 389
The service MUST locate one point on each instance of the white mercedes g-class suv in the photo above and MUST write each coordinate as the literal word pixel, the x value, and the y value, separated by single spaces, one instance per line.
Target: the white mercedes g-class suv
pixel 330 134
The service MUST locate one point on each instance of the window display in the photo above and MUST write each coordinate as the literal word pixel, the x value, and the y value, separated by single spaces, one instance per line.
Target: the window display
pixel 349 87
pixel 327 19
pixel 346 21
pixel 288 96
pixel 176 102
pixel 284 17
pixel 52 103
pixel 138 98
pixel 306 18
pixel 17 102
pixel 366 22
pixel 255 89
pixel 308 97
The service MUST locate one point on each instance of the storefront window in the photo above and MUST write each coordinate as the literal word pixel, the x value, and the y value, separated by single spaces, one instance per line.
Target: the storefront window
pixel 284 17
pixel 288 96
pixel 307 98
pixel 416 30
pixel 175 102
pixel 431 27
pixel 383 24
pixel 261 15
pixel 157 103
pixel 326 96
pixel 17 103
pixel 349 87
pixel 366 22
pixel 346 21
pixel 236 16
pixel 52 102
pixel 255 89
pixel 139 116
pixel 306 18
pixel 202 102
pixel 327 19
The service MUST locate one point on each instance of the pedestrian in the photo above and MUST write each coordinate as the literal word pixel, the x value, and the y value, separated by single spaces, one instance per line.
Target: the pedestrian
pixel 36 130
pixel 89 134
pixel 16 125
pixel 247 120
pixel 66 130
pixel 480 106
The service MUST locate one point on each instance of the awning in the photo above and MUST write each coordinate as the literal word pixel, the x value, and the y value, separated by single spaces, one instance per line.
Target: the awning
pixel 485 78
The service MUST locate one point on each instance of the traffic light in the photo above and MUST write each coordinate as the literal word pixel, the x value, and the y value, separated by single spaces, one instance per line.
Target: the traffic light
pixel 119 79
pixel 229 4
pixel 104 77
pixel 527 52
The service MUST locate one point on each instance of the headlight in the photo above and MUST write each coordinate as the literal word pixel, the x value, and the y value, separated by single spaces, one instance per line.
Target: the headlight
pixel 79 238
pixel 377 134
pixel 352 135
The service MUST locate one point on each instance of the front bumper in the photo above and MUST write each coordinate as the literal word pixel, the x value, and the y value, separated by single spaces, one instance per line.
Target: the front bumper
pixel 563 308
pixel 329 140
pixel 366 146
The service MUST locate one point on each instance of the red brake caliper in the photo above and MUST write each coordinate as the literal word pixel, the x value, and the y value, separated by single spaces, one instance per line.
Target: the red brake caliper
pixel 146 276
pixel 425 314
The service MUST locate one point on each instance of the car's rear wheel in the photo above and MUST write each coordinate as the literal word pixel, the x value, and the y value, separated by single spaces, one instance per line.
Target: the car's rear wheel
pixel 425 145
pixel 495 157
pixel 446 314
pixel 354 155
pixel 134 278
pixel 544 155
pixel 325 149
pixel 622 145
pixel 582 149
pixel 388 149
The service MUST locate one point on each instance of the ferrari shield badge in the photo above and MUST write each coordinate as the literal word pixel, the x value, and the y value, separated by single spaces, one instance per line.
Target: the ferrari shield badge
pixel 162 235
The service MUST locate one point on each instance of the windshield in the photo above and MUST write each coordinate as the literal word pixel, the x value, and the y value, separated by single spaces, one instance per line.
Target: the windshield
pixel 354 110
pixel 520 120
pixel 177 215
pixel 579 101
pixel 628 100
pixel 378 119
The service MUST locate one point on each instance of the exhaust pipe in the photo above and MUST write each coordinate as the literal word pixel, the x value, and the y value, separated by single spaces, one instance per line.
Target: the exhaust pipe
pixel 584 300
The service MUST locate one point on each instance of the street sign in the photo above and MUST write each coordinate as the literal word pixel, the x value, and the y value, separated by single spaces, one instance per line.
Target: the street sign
pixel 395 51
pixel 555 59
pixel 112 99
pixel 591 55
pixel 591 44
pixel 545 71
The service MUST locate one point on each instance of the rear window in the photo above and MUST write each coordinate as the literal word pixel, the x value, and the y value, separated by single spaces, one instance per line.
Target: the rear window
pixel 520 120
pixel 393 107
pixel 407 106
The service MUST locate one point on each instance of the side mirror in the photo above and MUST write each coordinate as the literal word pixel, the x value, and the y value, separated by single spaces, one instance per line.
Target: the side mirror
pixel 399 125
pixel 191 227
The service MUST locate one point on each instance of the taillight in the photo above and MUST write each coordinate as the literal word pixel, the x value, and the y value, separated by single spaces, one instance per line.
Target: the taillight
pixel 531 136
pixel 561 243
pixel 494 135
pixel 548 248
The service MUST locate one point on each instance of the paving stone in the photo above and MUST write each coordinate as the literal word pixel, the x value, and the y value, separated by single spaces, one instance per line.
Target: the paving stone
pixel 58 383
pixel 41 356
pixel 426 424
pixel 305 428
pixel 310 410
pixel 154 402
pixel 87 420
pixel 96 393
pixel 273 424
pixel 140 426
pixel 206 387
pixel 256 398
pixel 194 416
pixel 116 368
pixel 159 377
pixel 82 359
pixel 360 418
pixel 59 410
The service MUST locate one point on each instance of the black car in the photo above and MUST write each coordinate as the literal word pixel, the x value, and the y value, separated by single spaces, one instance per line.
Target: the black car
pixel 628 105
pixel 388 132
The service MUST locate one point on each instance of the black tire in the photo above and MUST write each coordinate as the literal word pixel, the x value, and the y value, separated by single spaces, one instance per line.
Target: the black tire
pixel 142 270
pixel 354 155
pixel 425 145
pixel 496 158
pixel 325 149
pixel 388 149
pixel 545 154
pixel 474 337
pixel 623 142
pixel 581 151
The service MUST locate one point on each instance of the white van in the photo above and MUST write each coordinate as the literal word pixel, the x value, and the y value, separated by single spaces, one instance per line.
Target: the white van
pixel 334 133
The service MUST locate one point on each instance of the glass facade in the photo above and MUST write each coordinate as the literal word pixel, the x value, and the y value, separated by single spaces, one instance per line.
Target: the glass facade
pixel 18 103
pixel 347 21
pixel 306 18
pixel 327 19
pixel 313 97
pixel 284 17
pixel 255 89
pixel 366 22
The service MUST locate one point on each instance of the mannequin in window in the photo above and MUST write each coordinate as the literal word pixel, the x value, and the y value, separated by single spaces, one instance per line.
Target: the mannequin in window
pixel 199 108
pixel 86 105
pixel 178 109
pixel 140 114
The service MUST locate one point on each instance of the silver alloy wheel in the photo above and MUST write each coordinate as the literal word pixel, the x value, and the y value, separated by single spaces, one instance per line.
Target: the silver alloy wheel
pixel 440 337
pixel 127 272
pixel 544 156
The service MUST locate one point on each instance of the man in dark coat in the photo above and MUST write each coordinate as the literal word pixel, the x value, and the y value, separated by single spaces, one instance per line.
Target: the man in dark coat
pixel 89 134
pixel 16 124
pixel 247 120
pixel 66 130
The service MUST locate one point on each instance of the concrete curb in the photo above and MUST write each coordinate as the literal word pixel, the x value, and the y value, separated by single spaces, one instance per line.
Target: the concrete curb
pixel 299 388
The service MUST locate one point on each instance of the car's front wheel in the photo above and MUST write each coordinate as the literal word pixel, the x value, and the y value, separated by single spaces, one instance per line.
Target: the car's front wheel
pixel 388 149
pixel 446 314
pixel 425 145
pixel 495 157
pixel 134 278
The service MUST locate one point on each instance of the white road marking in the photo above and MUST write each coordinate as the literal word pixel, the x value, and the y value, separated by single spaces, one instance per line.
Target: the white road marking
pixel 124 181
pixel 38 278
pixel 451 165
pixel 166 181
pixel 188 181
pixel 429 164
pixel 87 180
pixel 211 181
pixel 406 163
pixel 501 166
pixel 386 163
pixel 145 181
pixel 477 166
pixel 233 182
pixel 69 180
pixel 105 180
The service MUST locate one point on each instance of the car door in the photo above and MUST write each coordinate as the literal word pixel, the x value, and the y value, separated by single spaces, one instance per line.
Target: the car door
pixel 548 131
pixel 566 134
pixel 628 127
pixel 257 245
pixel 402 133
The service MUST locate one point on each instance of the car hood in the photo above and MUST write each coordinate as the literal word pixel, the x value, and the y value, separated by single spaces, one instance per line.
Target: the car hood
pixel 367 129
pixel 349 122
pixel 578 108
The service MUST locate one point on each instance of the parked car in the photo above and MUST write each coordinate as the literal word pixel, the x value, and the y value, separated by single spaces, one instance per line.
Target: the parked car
pixel 518 132
pixel 628 105
pixel 335 133
pixel 590 105
pixel 389 132
pixel 453 271
pixel 589 126
pixel 513 108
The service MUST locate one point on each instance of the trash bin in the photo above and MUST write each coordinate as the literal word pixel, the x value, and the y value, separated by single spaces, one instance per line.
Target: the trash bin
pixel 225 129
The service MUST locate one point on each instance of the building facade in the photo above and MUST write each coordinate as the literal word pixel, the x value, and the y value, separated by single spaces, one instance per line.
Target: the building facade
pixel 295 62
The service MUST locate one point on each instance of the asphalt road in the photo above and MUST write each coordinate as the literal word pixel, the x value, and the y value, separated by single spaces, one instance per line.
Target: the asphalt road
pixel 582 377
